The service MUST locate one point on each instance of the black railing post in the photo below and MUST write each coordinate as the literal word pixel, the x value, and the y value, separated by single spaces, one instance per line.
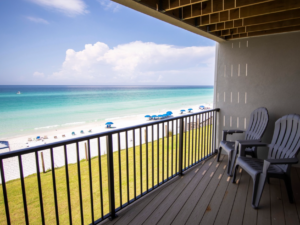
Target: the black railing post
pixel 110 175
pixel 181 146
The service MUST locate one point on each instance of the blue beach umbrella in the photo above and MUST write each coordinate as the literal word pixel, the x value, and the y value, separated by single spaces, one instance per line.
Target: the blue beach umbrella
pixel 108 124
pixel 169 112
pixel 148 116
pixel 190 109
pixel 160 116
pixel 165 115
pixel 201 107
pixel 183 110
pixel 154 116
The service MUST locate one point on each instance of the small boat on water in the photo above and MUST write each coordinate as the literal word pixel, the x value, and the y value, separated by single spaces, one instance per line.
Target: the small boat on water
pixel 19 92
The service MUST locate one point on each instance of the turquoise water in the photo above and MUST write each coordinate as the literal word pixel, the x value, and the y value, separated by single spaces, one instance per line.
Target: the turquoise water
pixel 41 107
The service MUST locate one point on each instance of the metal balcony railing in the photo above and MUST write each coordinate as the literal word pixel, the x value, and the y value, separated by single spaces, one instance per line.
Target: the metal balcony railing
pixel 91 178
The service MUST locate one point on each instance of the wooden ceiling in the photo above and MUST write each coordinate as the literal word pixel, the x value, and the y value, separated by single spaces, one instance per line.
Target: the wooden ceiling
pixel 232 19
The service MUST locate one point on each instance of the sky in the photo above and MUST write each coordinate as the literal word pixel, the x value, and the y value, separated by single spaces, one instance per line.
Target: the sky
pixel 97 42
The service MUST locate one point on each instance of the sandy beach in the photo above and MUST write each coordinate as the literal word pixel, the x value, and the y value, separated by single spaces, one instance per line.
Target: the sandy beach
pixel 11 165
pixel 21 142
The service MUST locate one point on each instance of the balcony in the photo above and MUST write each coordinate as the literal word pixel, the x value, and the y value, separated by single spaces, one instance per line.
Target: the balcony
pixel 89 179
pixel 206 195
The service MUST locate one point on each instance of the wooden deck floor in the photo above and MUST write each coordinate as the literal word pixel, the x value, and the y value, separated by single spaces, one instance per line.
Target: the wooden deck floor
pixel 205 195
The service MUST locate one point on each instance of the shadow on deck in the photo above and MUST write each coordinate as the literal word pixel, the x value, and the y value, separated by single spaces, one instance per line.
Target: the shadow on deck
pixel 205 195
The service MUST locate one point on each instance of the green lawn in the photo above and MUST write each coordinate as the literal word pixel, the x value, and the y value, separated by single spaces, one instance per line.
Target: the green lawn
pixel 15 194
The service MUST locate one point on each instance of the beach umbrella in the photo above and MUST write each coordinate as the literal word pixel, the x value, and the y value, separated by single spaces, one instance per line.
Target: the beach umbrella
pixel 165 115
pixel 190 109
pixel 169 112
pixel 154 116
pixel 108 124
pixel 182 111
pixel 201 107
pixel 149 117
pixel 160 116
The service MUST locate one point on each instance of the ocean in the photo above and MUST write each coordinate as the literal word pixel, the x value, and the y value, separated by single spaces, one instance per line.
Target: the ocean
pixel 47 107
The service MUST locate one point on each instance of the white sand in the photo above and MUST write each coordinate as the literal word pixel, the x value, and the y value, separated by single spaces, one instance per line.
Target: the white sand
pixel 11 166
pixel 21 142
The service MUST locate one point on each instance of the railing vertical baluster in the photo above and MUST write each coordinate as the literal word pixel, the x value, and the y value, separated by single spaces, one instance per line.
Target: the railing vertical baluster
pixel 23 189
pixel 120 169
pixel 4 192
pixel 141 161
pixel 211 133
pixel 202 140
pixel 157 127
pixel 39 186
pixel 195 137
pixel 206 132
pixel 127 165
pixel 68 184
pixel 181 147
pixel 163 153
pixel 79 182
pixel 147 155
pixel 172 166
pixel 193 140
pixel 110 171
pixel 185 146
pixel 100 176
pixel 177 136
pixel 54 186
pixel 134 163
pixel 215 129
pixel 196 142
pixel 152 156
pixel 199 137
pixel 168 155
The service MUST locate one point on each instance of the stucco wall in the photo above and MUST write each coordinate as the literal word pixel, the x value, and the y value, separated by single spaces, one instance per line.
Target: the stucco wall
pixel 255 72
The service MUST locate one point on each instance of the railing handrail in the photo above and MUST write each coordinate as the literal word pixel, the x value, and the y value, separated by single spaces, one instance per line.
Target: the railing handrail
pixel 96 135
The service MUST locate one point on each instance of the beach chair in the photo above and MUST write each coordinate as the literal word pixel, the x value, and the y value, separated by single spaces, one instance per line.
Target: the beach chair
pixel 283 152
pixel 257 125
pixel 29 139
pixel 55 137
pixel 63 136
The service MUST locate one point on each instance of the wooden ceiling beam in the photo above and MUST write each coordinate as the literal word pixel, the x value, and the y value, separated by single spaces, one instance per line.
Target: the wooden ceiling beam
pixel 259 20
pixel 216 5
pixel 246 12
pixel 261 27
pixel 274 25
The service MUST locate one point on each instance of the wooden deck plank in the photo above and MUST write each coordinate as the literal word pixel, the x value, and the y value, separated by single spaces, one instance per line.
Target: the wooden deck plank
pixel 237 213
pixel 296 188
pixel 215 203
pixel 250 214
pixel 290 210
pixel 163 196
pixel 127 214
pixel 202 201
pixel 206 199
pixel 264 211
pixel 223 214
pixel 277 213
pixel 180 194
